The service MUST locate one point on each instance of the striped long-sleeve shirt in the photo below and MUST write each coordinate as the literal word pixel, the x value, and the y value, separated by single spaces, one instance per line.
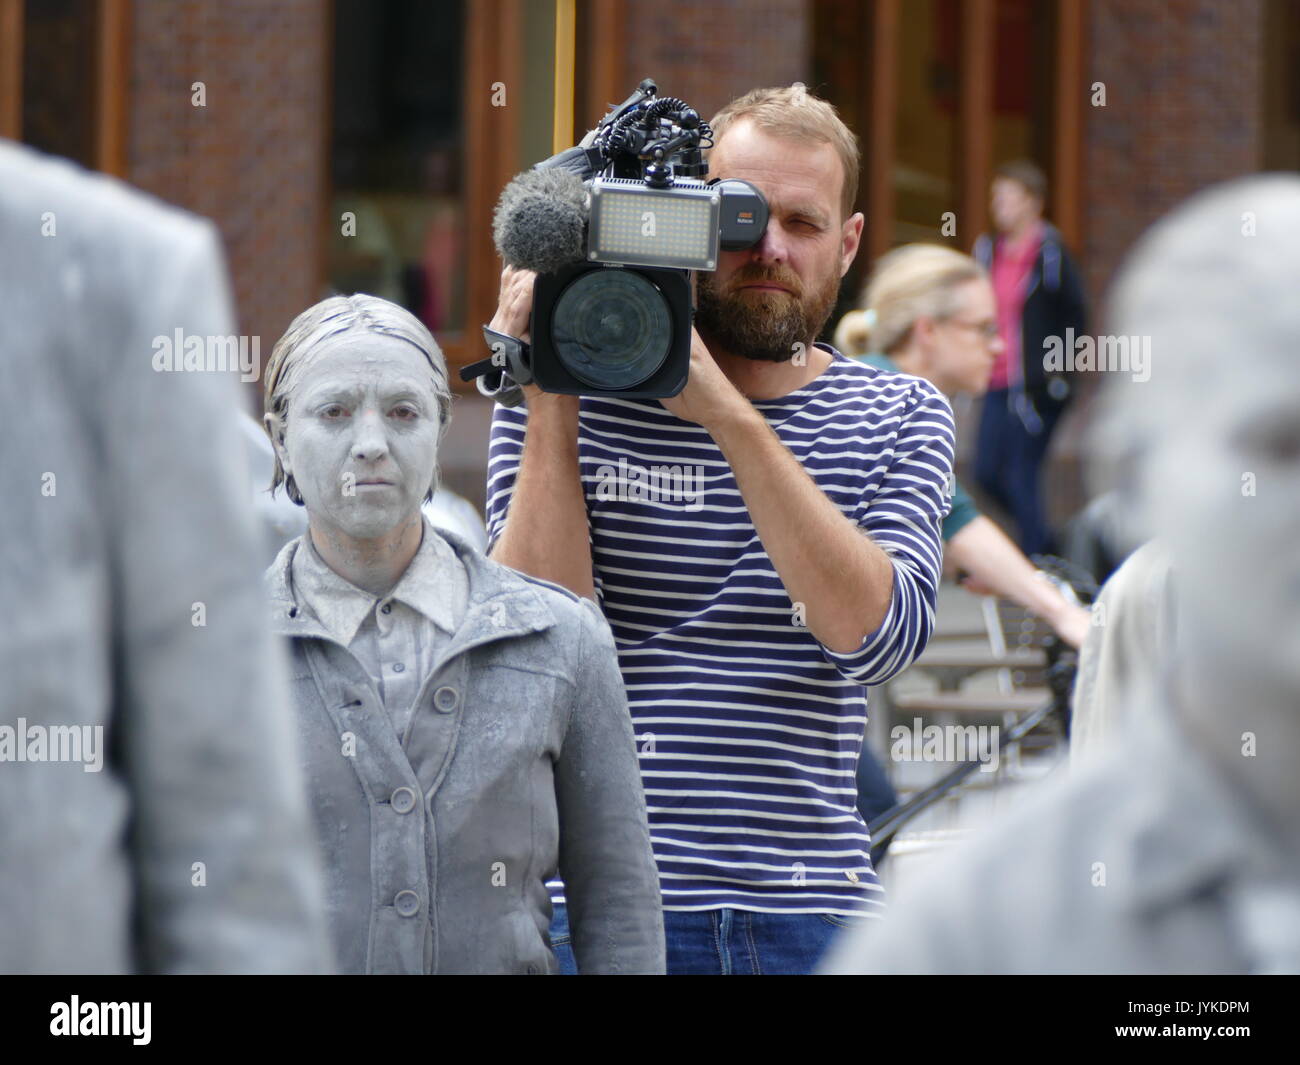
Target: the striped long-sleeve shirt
pixel 748 729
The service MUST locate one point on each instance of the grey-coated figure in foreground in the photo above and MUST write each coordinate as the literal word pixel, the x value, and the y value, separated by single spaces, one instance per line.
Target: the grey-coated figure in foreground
pixel 1180 851
pixel 464 728
pixel 1131 635
pixel 172 836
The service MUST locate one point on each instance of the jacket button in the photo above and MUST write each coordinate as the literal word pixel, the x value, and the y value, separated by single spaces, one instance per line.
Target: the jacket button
pixel 407 903
pixel 445 699
pixel 403 800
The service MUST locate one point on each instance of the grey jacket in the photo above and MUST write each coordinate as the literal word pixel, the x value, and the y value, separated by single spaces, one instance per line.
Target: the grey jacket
pixel 130 609
pixel 1147 862
pixel 520 757
pixel 1120 660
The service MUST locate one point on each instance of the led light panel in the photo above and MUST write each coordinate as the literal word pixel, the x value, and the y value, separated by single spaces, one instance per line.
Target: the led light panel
pixel 676 227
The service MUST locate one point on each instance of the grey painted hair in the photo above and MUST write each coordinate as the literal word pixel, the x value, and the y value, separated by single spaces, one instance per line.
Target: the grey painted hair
pixel 1213 284
pixel 328 320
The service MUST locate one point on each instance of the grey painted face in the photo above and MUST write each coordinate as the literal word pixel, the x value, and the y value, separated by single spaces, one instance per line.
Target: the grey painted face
pixel 361 439
pixel 1225 489
pixel 1218 425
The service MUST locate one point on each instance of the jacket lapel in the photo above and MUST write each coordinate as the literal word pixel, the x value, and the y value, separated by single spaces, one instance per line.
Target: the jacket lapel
pixel 502 605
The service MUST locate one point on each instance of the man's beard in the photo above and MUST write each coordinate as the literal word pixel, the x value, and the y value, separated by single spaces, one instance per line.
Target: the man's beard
pixel 763 326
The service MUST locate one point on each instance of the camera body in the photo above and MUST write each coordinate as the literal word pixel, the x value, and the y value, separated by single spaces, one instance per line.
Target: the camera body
pixel 610 330
pixel 613 315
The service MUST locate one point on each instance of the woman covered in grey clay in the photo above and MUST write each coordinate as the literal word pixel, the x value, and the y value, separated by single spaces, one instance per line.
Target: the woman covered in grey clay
pixel 463 727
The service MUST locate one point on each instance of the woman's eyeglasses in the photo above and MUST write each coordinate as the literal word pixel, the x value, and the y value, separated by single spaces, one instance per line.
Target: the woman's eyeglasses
pixel 988 330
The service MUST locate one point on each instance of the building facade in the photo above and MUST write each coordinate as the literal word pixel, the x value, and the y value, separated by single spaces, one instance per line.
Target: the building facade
pixel 360 146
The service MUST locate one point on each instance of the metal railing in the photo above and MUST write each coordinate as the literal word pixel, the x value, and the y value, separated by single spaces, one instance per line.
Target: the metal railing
pixel 887 825
pixel 1062 664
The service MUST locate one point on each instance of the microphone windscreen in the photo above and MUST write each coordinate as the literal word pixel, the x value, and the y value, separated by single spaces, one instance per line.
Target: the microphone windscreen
pixel 541 220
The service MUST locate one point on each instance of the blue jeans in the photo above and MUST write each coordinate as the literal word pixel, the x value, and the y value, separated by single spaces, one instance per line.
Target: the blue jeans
pixel 730 942
pixel 1008 466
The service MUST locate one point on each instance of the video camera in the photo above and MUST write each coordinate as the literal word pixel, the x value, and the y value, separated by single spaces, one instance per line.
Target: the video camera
pixel 613 227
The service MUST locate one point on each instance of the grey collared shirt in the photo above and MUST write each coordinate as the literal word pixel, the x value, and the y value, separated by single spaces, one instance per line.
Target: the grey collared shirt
pixel 398 637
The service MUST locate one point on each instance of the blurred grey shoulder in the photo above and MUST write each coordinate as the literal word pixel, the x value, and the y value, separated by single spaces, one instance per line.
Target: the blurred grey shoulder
pixel 61 199
pixel 1055 885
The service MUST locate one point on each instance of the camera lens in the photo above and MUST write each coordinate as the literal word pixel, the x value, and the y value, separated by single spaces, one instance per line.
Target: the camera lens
pixel 611 329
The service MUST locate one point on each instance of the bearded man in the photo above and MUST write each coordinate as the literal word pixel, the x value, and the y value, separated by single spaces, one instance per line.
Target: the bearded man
pixel 749 617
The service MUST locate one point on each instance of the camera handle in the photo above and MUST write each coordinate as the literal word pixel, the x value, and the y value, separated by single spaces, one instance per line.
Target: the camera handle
pixel 503 373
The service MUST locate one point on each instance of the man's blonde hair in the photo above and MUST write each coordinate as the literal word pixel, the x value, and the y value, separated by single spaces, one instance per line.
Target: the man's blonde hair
pixel 911 282
pixel 792 111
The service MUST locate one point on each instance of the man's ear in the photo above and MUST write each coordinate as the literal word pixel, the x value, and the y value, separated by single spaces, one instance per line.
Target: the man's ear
pixel 850 240
pixel 275 430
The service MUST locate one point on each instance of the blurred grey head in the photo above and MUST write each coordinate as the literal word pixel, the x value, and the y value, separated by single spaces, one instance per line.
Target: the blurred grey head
pixel 330 320
pixel 1207 450
pixel 1215 285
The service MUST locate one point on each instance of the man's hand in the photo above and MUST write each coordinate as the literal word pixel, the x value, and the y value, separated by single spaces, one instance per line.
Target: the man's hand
pixel 514 304
pixel 709 398
pixel 514 309
pixel 546 532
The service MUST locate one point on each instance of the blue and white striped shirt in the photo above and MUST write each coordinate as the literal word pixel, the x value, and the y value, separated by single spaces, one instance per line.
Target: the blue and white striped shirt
pixel 748 729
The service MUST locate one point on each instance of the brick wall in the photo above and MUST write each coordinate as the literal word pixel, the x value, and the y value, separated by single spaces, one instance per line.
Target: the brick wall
pixel 1183 110
pixel 253 158
pixel 710 53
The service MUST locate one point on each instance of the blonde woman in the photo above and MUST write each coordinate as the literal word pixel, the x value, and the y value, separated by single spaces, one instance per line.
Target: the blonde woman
pixel 929 311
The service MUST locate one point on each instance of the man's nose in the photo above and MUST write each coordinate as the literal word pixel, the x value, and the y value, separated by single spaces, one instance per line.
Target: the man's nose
pixel 772 248
pixel 369 440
